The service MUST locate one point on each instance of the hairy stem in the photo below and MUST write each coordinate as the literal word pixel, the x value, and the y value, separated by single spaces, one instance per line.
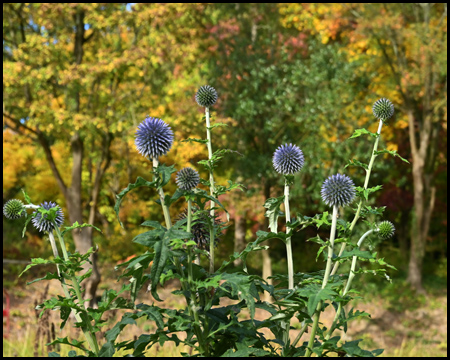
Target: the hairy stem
pixel 366 184
pixel 325 281
pixel 193 301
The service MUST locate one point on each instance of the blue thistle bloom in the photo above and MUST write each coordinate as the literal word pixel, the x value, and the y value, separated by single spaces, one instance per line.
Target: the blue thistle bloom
pixel 42 223
pixel 153 138
pixel 338 190
pixel 383 109
pixel 187 178
pixel 206 96
pixel 13 209
pixel 386 230
pixel 288 159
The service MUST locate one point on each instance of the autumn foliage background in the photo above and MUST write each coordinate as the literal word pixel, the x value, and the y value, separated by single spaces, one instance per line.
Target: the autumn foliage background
pixel 79 78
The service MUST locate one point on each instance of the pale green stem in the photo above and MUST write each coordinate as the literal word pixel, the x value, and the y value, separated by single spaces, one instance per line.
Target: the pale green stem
pixel 325 280
pixel 211 190
pixel 161 198
pixel 302 331
pixel 351 275
pixel 90 336
pixel 366 184
pixel 290 263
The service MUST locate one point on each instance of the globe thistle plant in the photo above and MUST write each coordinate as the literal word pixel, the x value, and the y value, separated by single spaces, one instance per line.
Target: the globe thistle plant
pixel 386 230
pixel 383 109
pixel 14 209
pixel 288 159
pixel 42 221
pixel 187 178
pixel 154 138
pixel 206 96
pixel 338 190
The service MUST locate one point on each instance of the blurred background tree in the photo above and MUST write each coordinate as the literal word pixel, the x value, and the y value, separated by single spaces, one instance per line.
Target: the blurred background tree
pixel 79 78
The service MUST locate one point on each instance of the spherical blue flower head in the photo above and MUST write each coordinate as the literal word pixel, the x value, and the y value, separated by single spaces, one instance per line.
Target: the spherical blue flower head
pixel 383 109
pixel 153 138
pixel 44 225
pixel 13 209
pixel 206 96
pixel 288 159
pixel 187 178
pixel 338 190
pixel 386 230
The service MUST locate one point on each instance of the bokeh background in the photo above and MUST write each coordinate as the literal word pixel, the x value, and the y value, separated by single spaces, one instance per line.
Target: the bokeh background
pixel 79 78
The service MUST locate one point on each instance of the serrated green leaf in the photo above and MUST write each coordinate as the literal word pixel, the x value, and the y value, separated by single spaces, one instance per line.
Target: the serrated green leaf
pixel 165 173
pixel 48 276
pixel 78 226
pixel 217 125
pixel 390 152
pixel 359 132
pixel 25 195
pixel 66 341
pixel 107 350
pixel 37 261
pixel 27 221
pixel 354 162
pixel 201 141
pixel 273 212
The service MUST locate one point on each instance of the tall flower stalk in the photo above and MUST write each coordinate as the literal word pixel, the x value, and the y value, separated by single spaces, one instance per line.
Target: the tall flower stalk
pixel 206 96
pixel 383 110
pixel 288 159
pixel 338 190
pixel 385 231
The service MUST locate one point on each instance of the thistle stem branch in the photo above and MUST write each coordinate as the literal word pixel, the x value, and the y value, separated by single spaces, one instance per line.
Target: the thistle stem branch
pixel 211 191
pixel 351 275
pixel 366 184
pixel 325 281
pixel 89 333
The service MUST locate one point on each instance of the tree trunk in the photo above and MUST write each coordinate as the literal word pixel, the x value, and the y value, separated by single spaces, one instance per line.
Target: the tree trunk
pixel 424 195
pixel 82 237
pixel 239 236
pixel 266 260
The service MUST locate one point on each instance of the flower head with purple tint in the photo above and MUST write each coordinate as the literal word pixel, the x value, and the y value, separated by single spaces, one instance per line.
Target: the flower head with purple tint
pixel 187 178
pixel 288 159
pixel 338 190
pixel 42 222
pixel 153 138
pixel 206 96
